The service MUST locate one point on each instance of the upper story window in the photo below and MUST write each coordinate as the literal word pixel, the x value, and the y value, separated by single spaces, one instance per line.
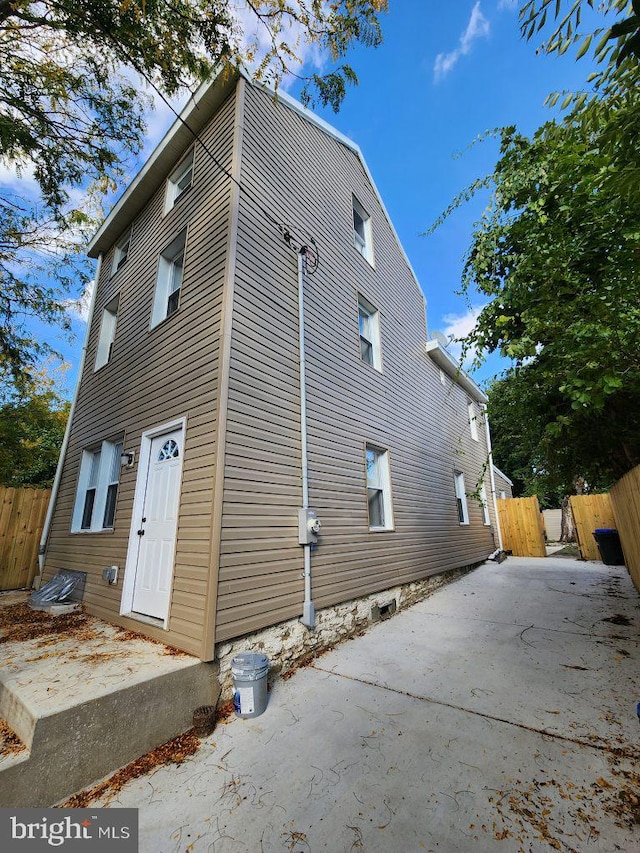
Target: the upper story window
pixel 169 281
pixel 461 498
pixel 107 333
pixel 121 251
pixel 486 520
pixel 369 326
pixel 473 422
pixel 362 231
pixel 179 181
pixel 97 491
pixel 379 489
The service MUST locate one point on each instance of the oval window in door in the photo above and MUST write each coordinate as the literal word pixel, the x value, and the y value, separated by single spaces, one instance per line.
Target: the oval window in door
pixel 170 450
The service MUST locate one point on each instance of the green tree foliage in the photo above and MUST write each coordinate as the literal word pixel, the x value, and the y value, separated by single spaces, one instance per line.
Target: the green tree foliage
pixel 519 413
pixel 615 44
pixel 72 110
pixel 32 425
pixel 556 254
pixel 609 106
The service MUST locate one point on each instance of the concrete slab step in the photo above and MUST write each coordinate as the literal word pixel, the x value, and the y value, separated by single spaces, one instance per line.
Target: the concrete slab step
pixel 87 702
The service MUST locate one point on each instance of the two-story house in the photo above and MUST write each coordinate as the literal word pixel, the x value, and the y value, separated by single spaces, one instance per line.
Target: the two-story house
pixel 258 345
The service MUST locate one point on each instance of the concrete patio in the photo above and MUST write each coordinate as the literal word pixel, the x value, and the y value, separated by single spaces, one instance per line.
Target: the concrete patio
pixel 84 697
pixel 497 715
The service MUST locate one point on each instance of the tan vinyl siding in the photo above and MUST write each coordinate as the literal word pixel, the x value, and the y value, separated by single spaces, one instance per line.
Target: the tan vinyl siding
pixel 157 375
pixel 306 179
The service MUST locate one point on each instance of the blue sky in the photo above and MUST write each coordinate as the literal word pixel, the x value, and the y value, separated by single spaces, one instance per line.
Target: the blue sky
pixel 444 74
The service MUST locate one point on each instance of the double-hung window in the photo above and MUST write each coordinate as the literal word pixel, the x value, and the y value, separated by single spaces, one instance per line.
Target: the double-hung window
pixel 362 231
pixel 97 491
pixel 486 520
pixel 473 422
pixel 378 489
pixel 121 251
pixel 107 333
pixel 169 281
pixel 179 182
pixel 461 498
pixel 369 327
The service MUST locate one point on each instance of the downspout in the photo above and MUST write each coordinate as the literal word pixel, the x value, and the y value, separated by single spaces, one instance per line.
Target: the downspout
pixel 493 479
pixel 65 441
pixel 308 610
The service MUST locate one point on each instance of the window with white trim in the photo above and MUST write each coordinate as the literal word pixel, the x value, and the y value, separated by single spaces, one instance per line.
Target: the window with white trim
pixel 486 520
pixel 369 327
pixel 121 251
pixel 473 422
pixel 169 281
pixel 97 491
pixel 362 231
pixel 378 489
pixel 107 333
pixel 179 181
pixel 461 498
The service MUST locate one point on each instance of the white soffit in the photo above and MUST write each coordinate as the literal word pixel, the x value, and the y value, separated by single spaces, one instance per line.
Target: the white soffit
pixel 450 366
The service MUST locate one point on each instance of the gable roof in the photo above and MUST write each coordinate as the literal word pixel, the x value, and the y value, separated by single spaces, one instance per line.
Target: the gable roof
pixel 196 114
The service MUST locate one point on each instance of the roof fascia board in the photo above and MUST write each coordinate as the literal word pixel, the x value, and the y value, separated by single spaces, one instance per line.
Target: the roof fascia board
pixel 503 475
pixel 450 366
pixel 196 113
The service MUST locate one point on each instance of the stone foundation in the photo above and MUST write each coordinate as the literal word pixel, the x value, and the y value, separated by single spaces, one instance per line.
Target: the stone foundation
pixel 290 643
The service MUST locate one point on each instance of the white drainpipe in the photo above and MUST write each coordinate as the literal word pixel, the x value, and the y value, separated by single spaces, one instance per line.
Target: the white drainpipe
pixel 65 441
pixel 493 479
pixel 308 610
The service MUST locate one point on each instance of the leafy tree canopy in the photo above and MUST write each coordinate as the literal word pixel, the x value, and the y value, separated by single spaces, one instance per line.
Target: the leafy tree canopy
pixel 32 425
pixel 72 109
pixel 556 254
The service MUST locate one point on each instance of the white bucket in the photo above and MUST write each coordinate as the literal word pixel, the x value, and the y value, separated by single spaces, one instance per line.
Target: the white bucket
pixel 249 671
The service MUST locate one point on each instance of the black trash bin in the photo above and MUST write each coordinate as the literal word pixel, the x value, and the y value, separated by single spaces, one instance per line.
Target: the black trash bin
pixel 609 546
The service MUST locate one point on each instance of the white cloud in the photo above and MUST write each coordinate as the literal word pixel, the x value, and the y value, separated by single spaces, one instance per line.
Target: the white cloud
pixel 478 27
pixel 511 5
pixel 78 309
pixel 457 326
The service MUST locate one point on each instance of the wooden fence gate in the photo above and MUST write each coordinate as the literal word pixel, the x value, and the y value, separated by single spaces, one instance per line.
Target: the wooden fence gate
pixel 522 527
pixel 589 513
pixel 625 498
pixel 22 514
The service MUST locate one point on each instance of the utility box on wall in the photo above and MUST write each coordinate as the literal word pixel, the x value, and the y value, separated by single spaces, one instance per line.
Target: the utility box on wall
pixel 308 526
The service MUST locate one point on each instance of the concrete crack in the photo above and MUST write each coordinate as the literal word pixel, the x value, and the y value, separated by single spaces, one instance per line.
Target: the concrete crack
pixel 601 747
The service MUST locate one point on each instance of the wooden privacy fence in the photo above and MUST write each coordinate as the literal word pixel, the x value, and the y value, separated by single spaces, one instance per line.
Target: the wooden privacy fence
pixel 22 514
pixel 589 513
pixel 522 527
pixel 625 499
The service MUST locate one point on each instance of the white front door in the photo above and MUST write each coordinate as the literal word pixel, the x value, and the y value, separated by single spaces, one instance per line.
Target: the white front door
pixel 157 526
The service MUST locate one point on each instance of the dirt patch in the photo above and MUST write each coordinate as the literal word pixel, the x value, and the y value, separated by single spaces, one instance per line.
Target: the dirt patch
pixel 124 634
pixel 618 619
pixel 10 743
pixel 18 623
pixel 570 550
pixel 174 751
